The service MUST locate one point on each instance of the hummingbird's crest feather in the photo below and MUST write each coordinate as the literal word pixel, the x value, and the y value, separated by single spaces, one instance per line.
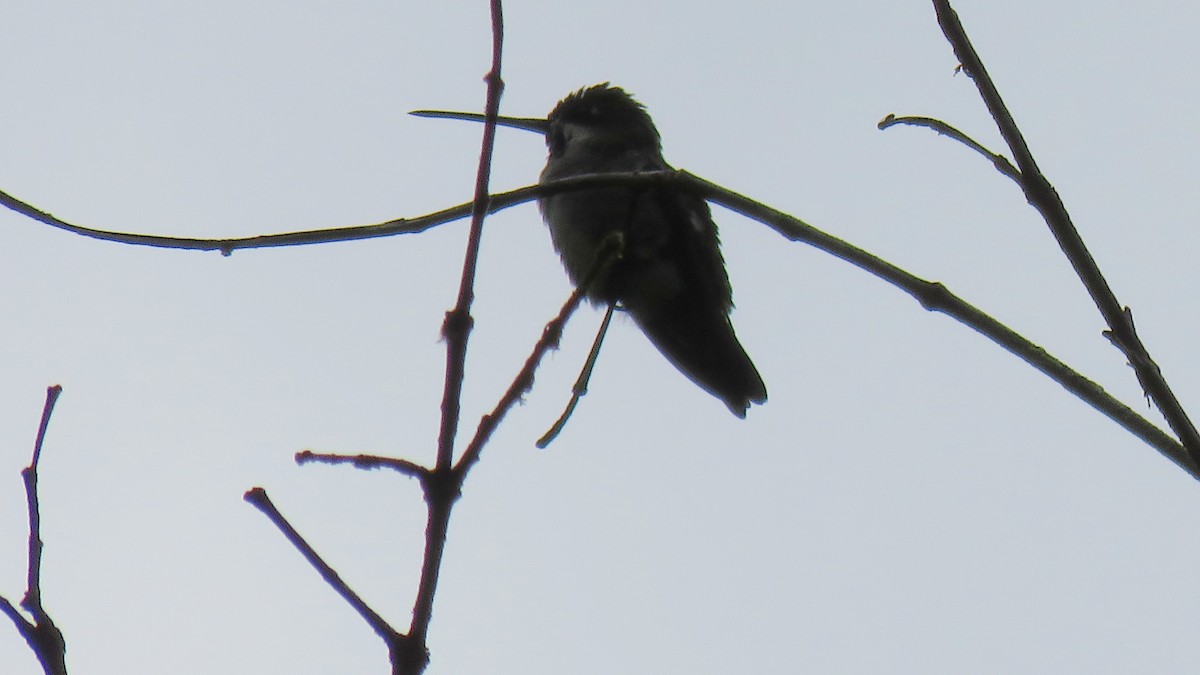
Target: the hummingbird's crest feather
pixel 608 110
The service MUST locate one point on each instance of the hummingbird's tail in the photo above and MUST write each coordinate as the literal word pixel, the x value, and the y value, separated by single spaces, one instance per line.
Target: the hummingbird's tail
pixel 703 346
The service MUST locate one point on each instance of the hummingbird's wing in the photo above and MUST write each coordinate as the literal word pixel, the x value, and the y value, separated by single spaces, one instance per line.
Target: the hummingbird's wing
pixel 683 297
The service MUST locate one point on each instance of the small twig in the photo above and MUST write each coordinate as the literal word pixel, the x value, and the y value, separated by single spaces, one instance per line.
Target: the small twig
pixel 580 389
pixel 521 384
pixel 404 466
pixel 457 327
pixel 610 249
pixel 999 161
pixel 259 499
pixel 42 635
pixel 1042 195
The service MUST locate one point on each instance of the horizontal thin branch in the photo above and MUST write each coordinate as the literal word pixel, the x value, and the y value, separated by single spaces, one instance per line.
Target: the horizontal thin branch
pixel 404 466
pixel 496 202
pixel 521 384
pixel 303 237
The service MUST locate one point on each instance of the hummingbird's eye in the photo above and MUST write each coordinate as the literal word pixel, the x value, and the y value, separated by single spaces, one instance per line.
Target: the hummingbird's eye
pixel 557 140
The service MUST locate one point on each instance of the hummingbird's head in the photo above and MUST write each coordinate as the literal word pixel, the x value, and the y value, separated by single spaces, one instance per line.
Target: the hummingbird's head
pixel 601 115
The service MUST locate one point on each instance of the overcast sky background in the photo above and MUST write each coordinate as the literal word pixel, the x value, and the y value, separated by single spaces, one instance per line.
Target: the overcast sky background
pixel 912 499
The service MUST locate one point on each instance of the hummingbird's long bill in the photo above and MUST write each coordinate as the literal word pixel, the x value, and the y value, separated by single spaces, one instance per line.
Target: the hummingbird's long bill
pixel 534 124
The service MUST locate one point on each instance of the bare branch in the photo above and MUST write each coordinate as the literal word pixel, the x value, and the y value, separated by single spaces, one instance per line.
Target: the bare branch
pixel 580 389
pixel 259 499
pixel 521 384
pixel 999 161
pixel 300 238
pixel 1043 197
pixel 42 635
pixel 610 249
pixel 404 466
pixel 443 485
pixel 457 326
pixel 934 296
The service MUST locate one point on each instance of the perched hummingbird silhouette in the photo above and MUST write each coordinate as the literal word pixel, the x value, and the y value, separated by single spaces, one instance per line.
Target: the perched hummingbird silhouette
pixel 669 275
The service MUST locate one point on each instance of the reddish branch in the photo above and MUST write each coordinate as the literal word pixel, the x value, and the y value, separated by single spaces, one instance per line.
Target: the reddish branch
pixel 43 637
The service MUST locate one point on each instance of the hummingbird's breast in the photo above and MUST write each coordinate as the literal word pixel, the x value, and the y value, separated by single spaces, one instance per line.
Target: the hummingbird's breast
pixel 579 221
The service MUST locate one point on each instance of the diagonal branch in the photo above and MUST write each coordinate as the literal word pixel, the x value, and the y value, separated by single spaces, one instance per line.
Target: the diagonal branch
pixel 523 382
pixel 934 296
pixel 1043 197
pixel 258 498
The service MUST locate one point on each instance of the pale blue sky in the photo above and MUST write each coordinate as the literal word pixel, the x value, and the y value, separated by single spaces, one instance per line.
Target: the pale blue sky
pixel 911 500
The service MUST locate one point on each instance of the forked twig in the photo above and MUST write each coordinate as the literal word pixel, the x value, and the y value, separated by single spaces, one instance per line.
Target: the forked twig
pixel 41 634
pixel 610 250
pixel 936 297
pixel 1043 197
pixel 404 466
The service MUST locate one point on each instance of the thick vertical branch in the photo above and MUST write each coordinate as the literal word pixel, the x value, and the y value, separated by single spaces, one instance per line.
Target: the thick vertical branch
pixel 1042 196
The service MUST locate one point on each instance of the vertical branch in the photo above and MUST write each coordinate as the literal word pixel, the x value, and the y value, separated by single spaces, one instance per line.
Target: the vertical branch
pixel 42 635
pixel 1043 197
pixel 33 594
pixel 457 327
pixel 442 486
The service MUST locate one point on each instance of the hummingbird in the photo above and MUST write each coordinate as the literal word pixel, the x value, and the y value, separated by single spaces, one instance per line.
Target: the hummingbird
pixel 668 275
